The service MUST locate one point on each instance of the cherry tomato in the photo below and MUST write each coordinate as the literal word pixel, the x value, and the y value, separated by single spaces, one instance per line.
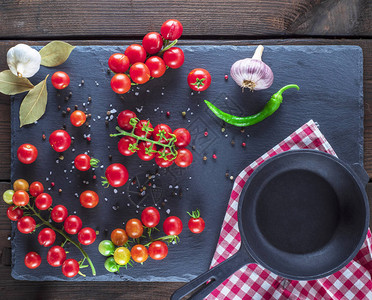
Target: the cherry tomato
pixel 72 224
pixel 116 175
pixel 172 226
pixel 46 237
pixel 106 248
pixel 26 224
pixel 56 256
pixel 124 144
pixel 144 151
pixel 32 260
pixel 60 80
pixel 36 188
pixel 20 185
pixel 124 119
pixel 152 42
pixel 158 250
pixel 122 256
pixel 134 228
pixel 140 128
pixel 59 213
pixel 118 63
pixel 60 140
pixel 119 237
pixel 8 196
pixel 156 66
pixel 161 162
pixel 183 137
pixel 21 198
pixel 120 83
pixel 14 213
pixel 165 130
pixel 184 158
pixel 174 57
pixel 199 79
pixel 135 53
pixel 89 199
pixel 78 118
pixel 171 29
pixel 196 223
pixel 82 162
pixel 139 253
pixel 111 265
pixel 87 236
pixel 139 73
pixel 27 153
pixel 70 267
pixel 43 201
pixel 150 217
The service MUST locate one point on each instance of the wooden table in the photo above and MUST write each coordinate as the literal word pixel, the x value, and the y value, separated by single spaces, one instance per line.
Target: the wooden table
pixel 248 22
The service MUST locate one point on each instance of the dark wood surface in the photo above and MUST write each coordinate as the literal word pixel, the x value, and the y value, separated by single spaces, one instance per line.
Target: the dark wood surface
pixel 275 22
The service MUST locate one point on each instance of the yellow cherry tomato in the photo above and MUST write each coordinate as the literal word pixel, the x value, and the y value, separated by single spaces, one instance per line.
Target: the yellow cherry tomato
pixel 20 185
pixel 122 256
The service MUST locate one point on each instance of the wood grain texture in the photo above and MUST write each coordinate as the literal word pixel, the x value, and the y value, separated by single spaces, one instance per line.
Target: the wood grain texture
pixel 122 19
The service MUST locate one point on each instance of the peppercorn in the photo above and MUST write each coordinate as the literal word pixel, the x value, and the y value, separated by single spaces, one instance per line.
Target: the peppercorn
pixel 193 147
pixel 82 82
pixel 226 77
pixel 231 177
pixel 232 142
pixel 89 98
pixel 214 156
pixel 89 138
pixel 68 109
pixel 205 133
pixel 94 177
pixel 76 107
pixel 243 144
pixel 227 174
pixel 64 126
pixel 67 98
pixel 52 184
pixel 242 130
pixel 59 190
pixel 59 107
pixel 61 157
pixel 183 114
pixel 64 113
pixel 106 123
pixel 204 158
pixel 110 157
pixel 108 113
pixel 43 137
pixel 168 114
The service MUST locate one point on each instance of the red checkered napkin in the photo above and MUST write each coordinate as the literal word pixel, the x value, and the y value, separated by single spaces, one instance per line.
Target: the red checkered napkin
pixel 254 282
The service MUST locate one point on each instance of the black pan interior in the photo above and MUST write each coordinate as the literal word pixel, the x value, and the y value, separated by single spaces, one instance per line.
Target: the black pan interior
pixel 303 215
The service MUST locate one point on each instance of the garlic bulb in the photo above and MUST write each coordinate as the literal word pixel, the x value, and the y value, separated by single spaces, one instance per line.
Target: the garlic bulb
pixel 23 61
pixel 252 73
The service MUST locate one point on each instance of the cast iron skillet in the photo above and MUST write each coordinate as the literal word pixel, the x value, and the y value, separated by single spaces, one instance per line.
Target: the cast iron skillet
pixel 302 214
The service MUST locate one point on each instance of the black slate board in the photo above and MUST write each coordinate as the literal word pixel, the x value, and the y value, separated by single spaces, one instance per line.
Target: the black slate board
pixel 330 78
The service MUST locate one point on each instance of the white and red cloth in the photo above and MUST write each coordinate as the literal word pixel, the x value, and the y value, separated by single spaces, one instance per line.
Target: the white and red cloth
pixel 254 282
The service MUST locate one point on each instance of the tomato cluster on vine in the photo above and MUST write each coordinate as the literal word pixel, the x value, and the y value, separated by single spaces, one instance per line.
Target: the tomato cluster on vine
pixel 139 63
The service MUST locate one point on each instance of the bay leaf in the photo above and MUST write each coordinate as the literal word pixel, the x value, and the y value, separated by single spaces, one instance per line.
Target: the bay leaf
pixel 34 104
pixel 55 53
pixel 12 85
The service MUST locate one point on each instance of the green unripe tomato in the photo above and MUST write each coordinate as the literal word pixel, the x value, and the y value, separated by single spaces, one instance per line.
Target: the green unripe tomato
pixel 111 265
pixel 8 196
pixel 106 248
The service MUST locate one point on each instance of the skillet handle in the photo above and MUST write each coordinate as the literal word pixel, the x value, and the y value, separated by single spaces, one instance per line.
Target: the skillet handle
pixel 217 275
pixel 362 174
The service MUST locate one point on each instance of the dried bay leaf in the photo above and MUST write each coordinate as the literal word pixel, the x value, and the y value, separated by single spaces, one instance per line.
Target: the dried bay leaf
pixel 12 85
pixel 55 53
pixel 34 104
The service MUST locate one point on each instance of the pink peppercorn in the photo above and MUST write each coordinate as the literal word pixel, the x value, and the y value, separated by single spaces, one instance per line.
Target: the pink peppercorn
pixel 214 156
pixel 226 77
pixel 206 133
pixel 89 139
pixel 243 144
pixel 168 114
pixel 94 177
pixel 52 184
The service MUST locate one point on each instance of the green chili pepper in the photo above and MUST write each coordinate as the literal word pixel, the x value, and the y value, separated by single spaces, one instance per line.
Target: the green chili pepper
pixel 271 106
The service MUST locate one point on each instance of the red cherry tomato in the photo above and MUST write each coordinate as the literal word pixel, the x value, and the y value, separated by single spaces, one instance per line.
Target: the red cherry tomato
pixel 46 237
pixel 152 42
pixel 27 153
pixel 119 237
pixel 56 256
pixel 134 228
pixel 184 158
pixel 161 162
pixel 139 73
pixel 171 29
pixel 87 236
pixel 89 199
pixel 118 63
pixel 21 198
pixel 158 250
pixel 199 79
pixel 196 223
pixel 140 128
pixel 70 267
pixel 120 83
pixel 32 260
pixel 36 188
pixel 135 53
pixel 124 144
pixel 172 226
pixel 150 217
pixel 174 57
pixel 145 151
pixel 116 174
pixel 183 137
pixel 43 201
pixel 82 162
pixel 60 80
pixel 73 224
pixel 156 66
pixel 78 118
pixel 59 213
pixel 124 119
pixel 60 140
pixel 139 253
pixel 26 224
pixel 165 130
pixel 14 213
